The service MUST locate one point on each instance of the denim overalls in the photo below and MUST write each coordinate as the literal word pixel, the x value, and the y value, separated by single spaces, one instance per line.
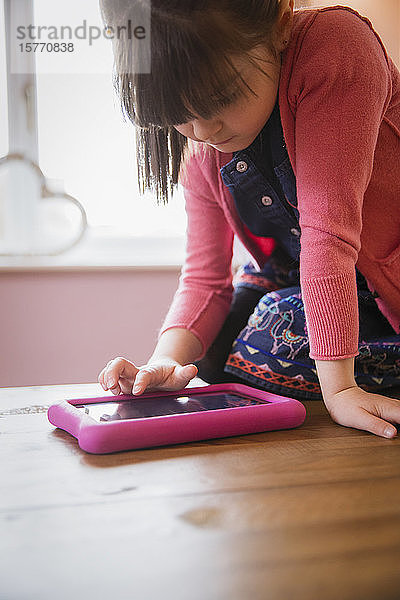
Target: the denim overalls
pixel 266 197
pixel 264 340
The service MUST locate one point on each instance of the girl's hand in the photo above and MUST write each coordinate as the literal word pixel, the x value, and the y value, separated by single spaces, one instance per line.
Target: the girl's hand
pixel 121 375
pixel 354 407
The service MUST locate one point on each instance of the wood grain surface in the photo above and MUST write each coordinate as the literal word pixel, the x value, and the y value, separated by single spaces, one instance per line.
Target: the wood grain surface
pixel 306 513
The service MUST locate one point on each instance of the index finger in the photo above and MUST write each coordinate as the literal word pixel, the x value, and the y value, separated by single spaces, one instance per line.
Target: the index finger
pixel 115 369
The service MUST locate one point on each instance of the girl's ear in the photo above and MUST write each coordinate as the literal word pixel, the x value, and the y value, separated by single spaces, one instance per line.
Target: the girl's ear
pixel 284 24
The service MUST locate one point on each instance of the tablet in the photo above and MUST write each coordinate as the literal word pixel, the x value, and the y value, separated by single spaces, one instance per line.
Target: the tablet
pixel 128 422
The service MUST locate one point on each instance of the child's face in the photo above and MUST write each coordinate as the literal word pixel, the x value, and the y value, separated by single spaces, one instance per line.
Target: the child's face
pixel 242 120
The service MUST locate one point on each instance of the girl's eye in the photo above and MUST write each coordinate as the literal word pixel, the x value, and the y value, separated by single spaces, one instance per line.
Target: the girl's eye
pixel 223 102
pixel 226 99
pixel 218 102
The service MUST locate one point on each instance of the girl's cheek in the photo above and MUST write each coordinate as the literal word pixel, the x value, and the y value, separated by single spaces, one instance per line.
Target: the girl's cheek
pixel 184 130
pixel 187 131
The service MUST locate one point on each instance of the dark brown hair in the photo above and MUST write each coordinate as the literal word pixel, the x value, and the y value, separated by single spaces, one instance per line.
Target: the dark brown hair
pixel 192 46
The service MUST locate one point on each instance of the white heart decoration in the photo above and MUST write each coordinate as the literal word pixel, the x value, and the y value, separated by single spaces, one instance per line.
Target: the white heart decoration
pixel 36 227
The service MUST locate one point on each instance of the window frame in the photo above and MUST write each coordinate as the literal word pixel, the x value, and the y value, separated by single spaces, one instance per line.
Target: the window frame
pixel 21 87
pixel 150 252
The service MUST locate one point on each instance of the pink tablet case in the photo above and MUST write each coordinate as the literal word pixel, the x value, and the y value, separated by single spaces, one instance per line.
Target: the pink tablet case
pixel 114 436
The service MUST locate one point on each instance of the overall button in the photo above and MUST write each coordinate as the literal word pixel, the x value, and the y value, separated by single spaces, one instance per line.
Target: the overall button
pixel 241 166
pixel 295 232
pixel 266 201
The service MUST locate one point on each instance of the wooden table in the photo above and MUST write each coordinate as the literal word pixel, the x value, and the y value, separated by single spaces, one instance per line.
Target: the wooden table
pixel 306 513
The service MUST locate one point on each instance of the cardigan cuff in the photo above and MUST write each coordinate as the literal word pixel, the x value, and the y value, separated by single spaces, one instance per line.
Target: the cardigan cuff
pixel 331 309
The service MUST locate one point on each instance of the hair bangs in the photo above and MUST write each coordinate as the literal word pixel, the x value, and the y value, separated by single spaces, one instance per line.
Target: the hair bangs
pixel 182 85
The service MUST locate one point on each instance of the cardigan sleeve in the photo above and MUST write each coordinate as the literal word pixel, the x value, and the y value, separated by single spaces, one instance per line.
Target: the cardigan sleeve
pixel 203 298
pixel 340 87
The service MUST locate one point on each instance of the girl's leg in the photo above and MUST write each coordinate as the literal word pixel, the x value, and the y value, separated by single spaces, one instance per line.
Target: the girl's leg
pixel 272 350
pixel 249 286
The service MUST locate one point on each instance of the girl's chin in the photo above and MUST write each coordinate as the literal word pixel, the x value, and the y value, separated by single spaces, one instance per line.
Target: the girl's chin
pixel 234 145
pixel 231 146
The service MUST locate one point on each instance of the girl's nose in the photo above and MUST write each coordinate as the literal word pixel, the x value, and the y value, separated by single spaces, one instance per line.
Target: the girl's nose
pixel 206 130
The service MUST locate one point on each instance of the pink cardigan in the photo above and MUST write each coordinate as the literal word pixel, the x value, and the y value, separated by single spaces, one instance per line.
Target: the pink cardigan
pixel 339 98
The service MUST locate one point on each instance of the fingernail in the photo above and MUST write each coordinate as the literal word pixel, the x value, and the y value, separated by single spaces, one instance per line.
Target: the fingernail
pixel 137 388
pixel 110 381
pixel 390 432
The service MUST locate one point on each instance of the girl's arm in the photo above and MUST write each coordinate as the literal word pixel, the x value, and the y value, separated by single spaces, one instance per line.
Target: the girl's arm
pixel 200 304
pixel 178 344
pixel 352 406
pixel 340 87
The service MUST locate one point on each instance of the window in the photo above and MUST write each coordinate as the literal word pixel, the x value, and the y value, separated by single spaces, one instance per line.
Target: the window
pixel 86 149
pixel 3 89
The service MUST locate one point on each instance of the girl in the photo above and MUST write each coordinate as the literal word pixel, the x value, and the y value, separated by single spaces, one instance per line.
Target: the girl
pixel 283 127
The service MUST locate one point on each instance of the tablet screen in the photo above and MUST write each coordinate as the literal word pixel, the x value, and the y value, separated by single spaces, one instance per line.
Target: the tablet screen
pixel 138 408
